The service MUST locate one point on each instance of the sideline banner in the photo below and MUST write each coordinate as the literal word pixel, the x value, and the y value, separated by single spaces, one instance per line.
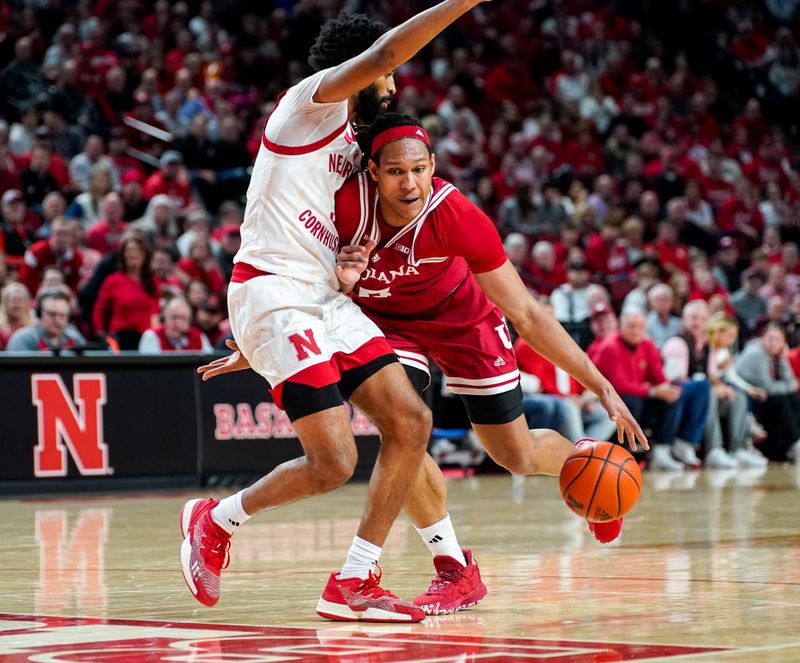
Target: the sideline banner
pixel 244 433
pixel 106 418
pixel 75 420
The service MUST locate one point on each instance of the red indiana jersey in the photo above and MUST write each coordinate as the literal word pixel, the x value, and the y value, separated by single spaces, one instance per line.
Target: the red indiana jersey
pixel 416 267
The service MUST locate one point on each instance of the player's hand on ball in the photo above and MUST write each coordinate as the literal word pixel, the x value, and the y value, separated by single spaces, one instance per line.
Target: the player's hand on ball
pixel 619 413
pixel 233 362
pixel 351 263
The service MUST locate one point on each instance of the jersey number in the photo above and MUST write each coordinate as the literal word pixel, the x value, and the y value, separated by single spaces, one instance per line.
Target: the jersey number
pixel 382 294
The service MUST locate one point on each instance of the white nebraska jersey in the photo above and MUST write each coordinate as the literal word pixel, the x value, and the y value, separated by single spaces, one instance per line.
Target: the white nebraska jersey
pixel 307 151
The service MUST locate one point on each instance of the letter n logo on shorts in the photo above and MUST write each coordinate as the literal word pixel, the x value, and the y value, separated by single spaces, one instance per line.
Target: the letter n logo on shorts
pixel 304 343
pixel 61 427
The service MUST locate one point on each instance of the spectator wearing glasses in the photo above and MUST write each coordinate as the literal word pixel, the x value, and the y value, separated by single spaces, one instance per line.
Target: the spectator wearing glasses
pixel 176 334
pixel 52 331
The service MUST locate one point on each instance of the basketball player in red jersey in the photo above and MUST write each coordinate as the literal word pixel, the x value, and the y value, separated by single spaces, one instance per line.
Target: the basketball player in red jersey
pixel 310 342
pixel 433 258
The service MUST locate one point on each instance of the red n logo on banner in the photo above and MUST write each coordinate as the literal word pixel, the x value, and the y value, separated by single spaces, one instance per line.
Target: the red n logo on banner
pixel 61 428
pixel 304 344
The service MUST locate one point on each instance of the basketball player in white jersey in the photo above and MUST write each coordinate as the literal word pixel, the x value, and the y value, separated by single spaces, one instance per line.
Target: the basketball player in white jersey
pixel 311 343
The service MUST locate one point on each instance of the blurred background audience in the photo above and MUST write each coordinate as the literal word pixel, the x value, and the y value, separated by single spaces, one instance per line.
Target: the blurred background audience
pixel 634 157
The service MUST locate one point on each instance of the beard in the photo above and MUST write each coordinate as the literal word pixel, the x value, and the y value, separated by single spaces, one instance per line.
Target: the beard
pixel 369 105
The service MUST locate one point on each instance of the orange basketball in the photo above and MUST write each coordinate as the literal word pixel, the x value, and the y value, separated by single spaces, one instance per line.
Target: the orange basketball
pixel 600 481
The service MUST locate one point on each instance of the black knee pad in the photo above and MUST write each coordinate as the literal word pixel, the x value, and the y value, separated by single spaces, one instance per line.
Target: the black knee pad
pixel 300 400
pixel 494 408
pixel 353 378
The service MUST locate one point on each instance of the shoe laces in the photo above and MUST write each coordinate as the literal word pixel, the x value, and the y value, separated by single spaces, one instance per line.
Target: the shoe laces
pixel 371 586
pixel 215 551
pixel 444 578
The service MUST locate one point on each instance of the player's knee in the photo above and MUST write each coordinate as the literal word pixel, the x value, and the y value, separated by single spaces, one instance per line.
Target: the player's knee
pixel 416 420
pixel 408 420
pixel 332 470
pixel 517 461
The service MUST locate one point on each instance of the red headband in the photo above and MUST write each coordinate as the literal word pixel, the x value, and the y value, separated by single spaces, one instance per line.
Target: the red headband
pixel 396 133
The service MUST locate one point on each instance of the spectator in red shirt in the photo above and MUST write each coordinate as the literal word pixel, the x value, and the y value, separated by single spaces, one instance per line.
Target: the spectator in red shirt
pixel 177 334
pixel 201 265
pixel 106 234
pixel 127 304
pixel 740 214
pixel 672 256
pixel 605 252
pixel 603 322
pixel 543 272
pixel 753 122
pixel 766 168
pixel 632 364
pixel 505 180
pixel 171 179
pixel 752 47
pixel 59 250
pixel 706 287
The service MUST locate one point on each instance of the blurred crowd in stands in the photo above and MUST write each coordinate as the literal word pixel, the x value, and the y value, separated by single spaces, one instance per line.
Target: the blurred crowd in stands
pixel 640 160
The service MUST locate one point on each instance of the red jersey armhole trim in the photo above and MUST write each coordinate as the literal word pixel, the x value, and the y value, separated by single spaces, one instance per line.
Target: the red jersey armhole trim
pixel 301 149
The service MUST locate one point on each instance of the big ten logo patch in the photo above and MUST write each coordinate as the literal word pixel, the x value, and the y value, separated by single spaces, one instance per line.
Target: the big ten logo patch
pixel 241 421
pixel 69 424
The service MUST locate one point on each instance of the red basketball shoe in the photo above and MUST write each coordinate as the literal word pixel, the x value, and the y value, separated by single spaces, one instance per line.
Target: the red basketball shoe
pixel 356 599
pixel 454 588
pixel 606 532
pixel 204 551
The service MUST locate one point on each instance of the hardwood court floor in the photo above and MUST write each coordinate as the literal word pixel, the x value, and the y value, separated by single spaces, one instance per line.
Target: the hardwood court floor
pixel 707 569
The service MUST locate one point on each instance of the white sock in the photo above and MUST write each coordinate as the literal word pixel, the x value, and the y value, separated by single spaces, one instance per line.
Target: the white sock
pixel 441 540
pixel 362 558
pixel 229 514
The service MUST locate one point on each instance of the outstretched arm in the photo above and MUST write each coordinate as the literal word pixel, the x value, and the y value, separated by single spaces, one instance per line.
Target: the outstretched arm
pixel 233 362
pixel 544 334
pixel 390 51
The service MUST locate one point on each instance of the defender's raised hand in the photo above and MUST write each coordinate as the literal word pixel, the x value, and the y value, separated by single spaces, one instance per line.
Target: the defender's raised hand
pixel 351 263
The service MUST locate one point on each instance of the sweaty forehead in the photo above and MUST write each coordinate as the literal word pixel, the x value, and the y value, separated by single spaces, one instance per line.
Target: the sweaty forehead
pixel 405 150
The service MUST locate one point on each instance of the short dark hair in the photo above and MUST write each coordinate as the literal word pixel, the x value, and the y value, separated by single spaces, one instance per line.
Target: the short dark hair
pixel 343 38
pixel 383 122
pixel 53 294
pixel 774 325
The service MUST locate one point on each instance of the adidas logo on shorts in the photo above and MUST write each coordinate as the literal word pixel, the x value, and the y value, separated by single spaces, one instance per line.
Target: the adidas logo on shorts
pixel 499 362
